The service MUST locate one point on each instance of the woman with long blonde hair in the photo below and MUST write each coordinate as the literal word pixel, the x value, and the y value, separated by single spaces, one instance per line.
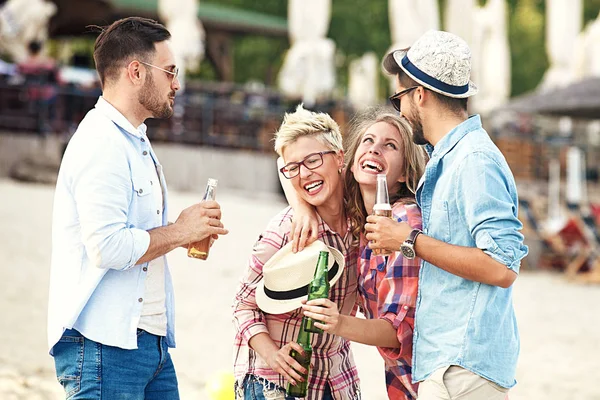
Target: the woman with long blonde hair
pixel 378 142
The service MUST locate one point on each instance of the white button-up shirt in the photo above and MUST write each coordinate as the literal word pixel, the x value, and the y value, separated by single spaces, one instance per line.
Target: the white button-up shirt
pixel 103 208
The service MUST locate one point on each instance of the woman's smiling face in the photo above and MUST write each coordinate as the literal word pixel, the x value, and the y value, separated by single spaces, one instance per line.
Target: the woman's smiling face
pixel 379 152
pixel 316 186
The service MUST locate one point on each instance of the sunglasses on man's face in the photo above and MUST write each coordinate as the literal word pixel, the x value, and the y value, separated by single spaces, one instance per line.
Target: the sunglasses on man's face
pixel 395 98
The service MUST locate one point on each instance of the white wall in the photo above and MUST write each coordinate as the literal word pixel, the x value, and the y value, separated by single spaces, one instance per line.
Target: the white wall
pixel 186 168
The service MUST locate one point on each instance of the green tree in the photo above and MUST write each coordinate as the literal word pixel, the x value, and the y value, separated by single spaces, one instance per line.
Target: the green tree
pixel 526 35
pixel 357 27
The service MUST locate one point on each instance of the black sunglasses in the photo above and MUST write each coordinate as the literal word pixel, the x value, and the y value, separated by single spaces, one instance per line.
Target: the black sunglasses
pixel 395 98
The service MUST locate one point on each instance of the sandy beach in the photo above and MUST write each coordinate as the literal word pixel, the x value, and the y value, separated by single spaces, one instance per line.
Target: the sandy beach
pixel 559 321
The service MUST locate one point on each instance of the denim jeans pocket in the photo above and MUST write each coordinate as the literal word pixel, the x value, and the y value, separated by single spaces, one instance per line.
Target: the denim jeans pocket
pixel 68 360
pixel 256 388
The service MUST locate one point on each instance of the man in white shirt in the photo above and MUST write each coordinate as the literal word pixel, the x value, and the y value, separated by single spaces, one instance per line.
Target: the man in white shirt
pixel 111 310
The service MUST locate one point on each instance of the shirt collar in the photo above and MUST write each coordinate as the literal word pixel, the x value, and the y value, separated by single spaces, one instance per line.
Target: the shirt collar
pixel 454 136
pixel 115 115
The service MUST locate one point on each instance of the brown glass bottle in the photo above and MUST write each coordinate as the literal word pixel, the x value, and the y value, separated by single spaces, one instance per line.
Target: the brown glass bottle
pixel 200 249
pixel 382 207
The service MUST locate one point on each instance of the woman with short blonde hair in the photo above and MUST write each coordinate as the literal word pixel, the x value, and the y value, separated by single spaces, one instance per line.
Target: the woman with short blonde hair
pixel 310 145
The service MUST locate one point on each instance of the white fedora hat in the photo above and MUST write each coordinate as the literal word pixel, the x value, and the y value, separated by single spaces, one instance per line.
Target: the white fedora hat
pixel 287 275
pixel 439 61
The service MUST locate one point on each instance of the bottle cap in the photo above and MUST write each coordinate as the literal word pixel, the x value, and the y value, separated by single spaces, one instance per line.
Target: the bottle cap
pixel 212 182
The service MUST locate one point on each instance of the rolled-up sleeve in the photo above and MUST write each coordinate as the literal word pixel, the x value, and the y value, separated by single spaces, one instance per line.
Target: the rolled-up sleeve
pixel 488 203
pixel 102 190
pixel 397 293
pixel 248 319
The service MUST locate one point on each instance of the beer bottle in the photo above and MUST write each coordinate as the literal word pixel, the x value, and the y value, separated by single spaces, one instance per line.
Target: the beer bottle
pixel 301 388
pixel 382 207
pixel 200 249
pixel 319 287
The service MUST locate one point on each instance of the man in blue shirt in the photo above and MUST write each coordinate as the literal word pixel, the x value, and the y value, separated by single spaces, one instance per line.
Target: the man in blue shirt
pixel 466 341
pixel 111 311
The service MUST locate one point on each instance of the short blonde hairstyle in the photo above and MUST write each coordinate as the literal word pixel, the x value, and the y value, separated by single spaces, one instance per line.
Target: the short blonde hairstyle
pixel 308 123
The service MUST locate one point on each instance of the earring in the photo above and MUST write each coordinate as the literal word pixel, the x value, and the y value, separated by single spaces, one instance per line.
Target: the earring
pixel 340 170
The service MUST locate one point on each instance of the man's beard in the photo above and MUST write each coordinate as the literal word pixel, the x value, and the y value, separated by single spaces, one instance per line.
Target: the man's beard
pixel 150 100
pixel 416 124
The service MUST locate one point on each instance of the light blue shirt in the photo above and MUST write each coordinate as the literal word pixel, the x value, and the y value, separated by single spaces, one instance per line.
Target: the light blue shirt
pixel 103 208
pixel 468 197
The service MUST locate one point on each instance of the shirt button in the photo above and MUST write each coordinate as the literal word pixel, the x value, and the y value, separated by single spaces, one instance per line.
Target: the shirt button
pixel 158 211
pixel 145 153
pixel 141 191
pixel 140 300
pixel 143 140
pixel 145 269
pixel 406 307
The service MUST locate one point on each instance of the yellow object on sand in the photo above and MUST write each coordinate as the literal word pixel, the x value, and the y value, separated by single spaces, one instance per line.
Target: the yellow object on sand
pixel 220 386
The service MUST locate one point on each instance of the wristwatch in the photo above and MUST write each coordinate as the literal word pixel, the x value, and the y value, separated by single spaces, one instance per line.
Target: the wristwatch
pixel 408 247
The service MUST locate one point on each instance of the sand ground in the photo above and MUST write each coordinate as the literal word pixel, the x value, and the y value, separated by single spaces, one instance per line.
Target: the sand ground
pixel 559 321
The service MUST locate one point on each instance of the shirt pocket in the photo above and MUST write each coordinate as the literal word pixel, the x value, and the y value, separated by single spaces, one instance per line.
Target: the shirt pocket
pixel 143 202
pixel 440 218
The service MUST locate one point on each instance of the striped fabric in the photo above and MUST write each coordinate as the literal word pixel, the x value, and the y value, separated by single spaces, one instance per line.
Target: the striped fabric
pixel 388 290
pixel 332 360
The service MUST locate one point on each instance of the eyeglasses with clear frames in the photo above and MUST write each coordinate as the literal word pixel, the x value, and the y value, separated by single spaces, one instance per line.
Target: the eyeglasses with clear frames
pixel 174 73
pixel 311 161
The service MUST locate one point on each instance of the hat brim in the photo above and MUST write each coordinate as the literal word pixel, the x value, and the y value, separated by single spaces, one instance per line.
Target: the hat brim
pixel 272 306
pixel 399 55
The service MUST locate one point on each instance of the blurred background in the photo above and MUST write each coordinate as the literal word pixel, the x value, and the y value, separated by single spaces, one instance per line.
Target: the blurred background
pixel 243 64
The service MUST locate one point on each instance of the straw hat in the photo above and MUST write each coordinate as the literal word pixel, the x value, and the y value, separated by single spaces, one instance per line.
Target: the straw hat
pixel 286 276
pixel 439 61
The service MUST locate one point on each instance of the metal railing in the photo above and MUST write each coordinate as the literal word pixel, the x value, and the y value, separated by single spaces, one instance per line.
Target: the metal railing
pixel 211 114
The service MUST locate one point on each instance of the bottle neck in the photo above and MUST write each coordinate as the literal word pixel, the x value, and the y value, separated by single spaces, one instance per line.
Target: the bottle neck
pixel 321 270
pixel 382 191
pixel 210 192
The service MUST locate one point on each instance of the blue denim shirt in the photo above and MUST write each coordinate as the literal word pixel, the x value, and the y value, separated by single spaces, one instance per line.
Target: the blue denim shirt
pixel 103 208
pixel 468 197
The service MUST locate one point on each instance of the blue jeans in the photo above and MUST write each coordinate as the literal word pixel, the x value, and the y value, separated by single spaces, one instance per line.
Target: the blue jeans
pixel 255 388
pixel 91 370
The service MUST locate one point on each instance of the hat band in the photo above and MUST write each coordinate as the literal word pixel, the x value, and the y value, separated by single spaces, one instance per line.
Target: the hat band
pixel 299 292
pixel 430 80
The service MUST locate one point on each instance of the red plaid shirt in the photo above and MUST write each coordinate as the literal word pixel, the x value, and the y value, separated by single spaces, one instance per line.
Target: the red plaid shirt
pixel 332 359
pixel 387 289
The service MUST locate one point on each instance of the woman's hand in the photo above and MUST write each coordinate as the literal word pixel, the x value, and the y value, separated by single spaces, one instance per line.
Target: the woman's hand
pixel 385 233
pixel 281 362
pixel 325 311
pixel 305 227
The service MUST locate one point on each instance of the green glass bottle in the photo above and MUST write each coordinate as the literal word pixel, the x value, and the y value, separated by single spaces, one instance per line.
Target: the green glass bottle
pixel 301 388
pixel 319 287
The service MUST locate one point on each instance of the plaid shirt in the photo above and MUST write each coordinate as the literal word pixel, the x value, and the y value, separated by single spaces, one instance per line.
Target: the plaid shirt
pixel 332 359
pixel 388 290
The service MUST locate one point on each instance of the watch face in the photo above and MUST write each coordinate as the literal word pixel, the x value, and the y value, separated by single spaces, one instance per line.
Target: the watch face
pixel 407 251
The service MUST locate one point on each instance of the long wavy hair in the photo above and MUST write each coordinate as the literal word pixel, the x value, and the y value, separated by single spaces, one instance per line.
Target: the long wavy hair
pixel 414 164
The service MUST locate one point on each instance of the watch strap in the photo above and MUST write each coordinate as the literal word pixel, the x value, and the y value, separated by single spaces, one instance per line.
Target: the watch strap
pixel 412 236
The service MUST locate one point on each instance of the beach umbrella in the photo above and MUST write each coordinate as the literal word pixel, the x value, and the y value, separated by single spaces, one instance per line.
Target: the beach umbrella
pixel 187 33
pixel 409 20
pixel 362 85
pixel 308 71
pixel 491 56
pixel 21 22
pixel 563 24
pixel 587 51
